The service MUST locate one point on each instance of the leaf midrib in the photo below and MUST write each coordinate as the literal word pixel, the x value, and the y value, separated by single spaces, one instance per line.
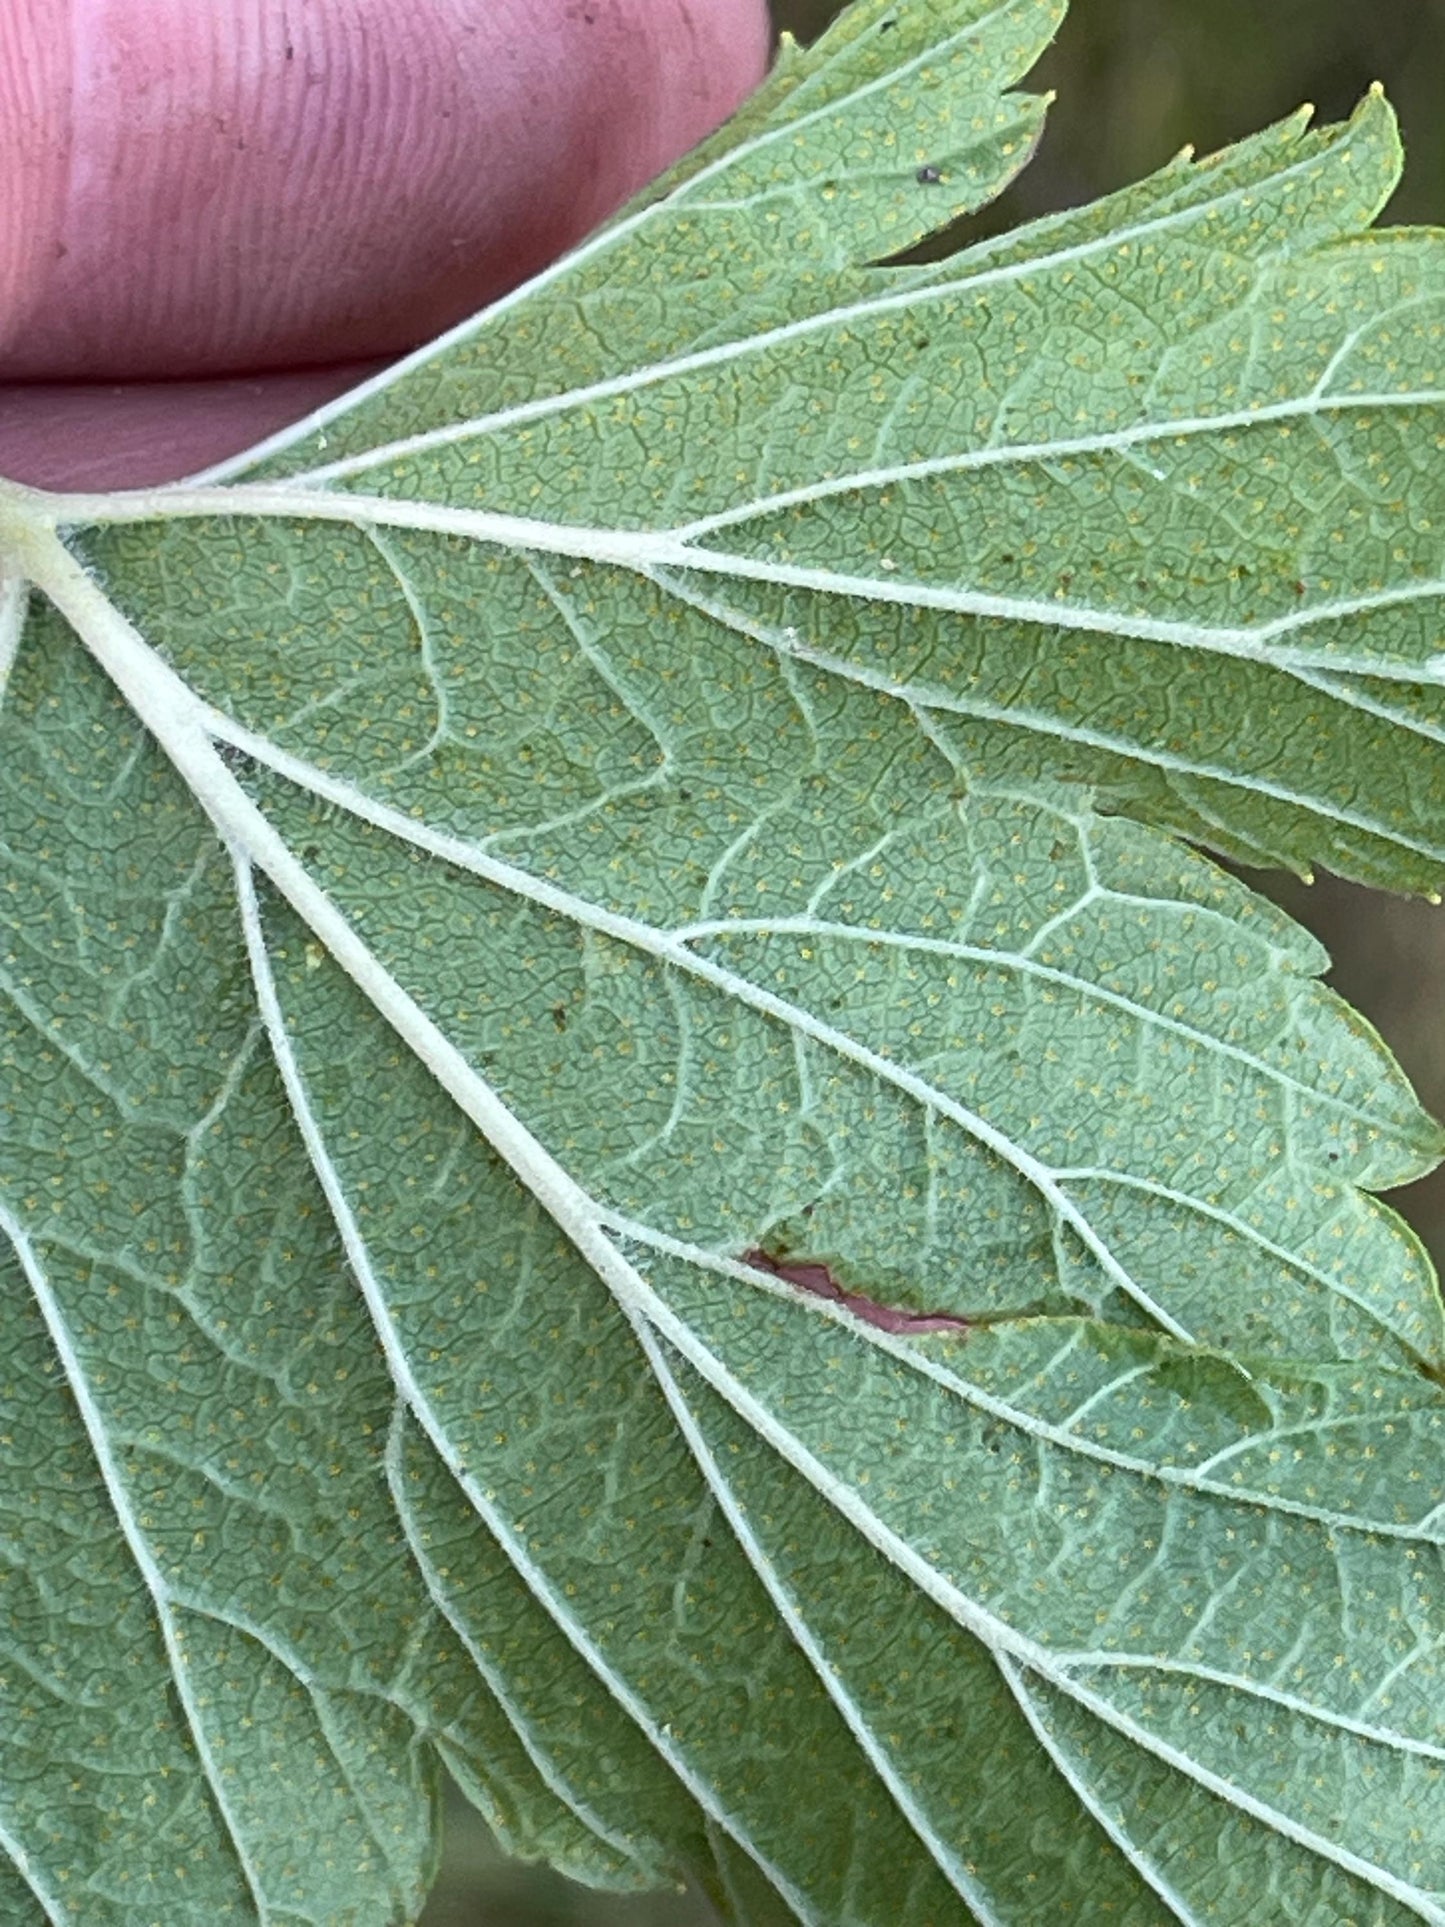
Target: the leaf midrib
pixel 645 553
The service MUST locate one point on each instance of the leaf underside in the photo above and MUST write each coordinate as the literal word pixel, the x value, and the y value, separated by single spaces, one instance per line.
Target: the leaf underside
pixel 676 790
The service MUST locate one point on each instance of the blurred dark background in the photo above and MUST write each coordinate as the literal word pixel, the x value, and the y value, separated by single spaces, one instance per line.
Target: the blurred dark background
pixel 1136 80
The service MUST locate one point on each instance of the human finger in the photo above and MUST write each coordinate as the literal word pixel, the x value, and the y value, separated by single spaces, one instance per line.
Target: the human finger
pixel 256 184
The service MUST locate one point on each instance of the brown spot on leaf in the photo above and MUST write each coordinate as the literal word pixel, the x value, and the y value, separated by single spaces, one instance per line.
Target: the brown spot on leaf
pixel 819 1282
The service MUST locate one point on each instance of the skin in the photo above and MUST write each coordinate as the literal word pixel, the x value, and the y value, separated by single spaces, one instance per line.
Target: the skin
pixel 218 216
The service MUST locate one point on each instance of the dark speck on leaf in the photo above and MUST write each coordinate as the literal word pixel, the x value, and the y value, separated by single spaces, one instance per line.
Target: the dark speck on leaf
pixel 559 1016
pixel 928 177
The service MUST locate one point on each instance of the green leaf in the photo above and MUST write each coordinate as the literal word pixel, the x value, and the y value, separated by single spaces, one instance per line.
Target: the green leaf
pixel 632 1160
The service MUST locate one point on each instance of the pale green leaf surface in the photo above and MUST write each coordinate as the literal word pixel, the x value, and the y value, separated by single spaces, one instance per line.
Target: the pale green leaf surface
pixel 1084 496
pixel 750 891
pixel 817 173
pixel 236 1386
pixel 609 801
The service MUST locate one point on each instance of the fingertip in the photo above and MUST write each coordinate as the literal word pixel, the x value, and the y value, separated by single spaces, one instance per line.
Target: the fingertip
pixel 246 185
pixel 101 435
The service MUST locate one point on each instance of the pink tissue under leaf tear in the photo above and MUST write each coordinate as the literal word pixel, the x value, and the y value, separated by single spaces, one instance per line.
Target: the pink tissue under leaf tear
pixel 820 1282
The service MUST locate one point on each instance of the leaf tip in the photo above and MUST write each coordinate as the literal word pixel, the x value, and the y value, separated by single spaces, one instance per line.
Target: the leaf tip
pixel 1375 107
